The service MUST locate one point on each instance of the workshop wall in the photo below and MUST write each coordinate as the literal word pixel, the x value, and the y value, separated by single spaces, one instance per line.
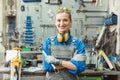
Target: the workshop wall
pixel 86 16
pixel 1 16
pixel 86 19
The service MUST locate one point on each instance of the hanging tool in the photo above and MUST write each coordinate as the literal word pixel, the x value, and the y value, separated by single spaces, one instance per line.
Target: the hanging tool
pixel 87 16
pixel 82 3
pixel 101 4
pixel 91 11
pixel 89 1
pixel 54 2
pixel 94 16
pixel 93 25
pixel 10 3
pixel 100 36
pixel 60 1
pixel 16 65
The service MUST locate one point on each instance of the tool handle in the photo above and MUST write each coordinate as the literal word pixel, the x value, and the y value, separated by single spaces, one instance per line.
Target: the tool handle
pixel 106 59
pixel 46 56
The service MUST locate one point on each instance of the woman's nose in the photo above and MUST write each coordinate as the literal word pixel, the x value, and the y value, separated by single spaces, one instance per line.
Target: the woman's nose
pixel 61 23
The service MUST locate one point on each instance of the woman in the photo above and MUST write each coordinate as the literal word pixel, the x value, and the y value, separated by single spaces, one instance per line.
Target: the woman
pixel 63 55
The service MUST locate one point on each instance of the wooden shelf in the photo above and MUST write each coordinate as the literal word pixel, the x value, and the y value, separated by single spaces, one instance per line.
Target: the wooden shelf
pixel 31 52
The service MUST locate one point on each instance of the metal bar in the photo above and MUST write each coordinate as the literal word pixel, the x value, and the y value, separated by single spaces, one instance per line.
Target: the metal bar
pixel 86 17
pixel 95 16
pixel 46 56
pixel 93 24
pixel 91 27
pixel 92 11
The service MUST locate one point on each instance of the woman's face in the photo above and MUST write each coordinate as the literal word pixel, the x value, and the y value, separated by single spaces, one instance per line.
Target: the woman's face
pixel 63 22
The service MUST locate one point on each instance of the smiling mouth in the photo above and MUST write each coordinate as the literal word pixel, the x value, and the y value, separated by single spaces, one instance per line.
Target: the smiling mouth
pixel 62 27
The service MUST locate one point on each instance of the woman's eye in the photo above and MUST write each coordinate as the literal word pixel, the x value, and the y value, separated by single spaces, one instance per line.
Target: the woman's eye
pixel 58 20
pixel 65 20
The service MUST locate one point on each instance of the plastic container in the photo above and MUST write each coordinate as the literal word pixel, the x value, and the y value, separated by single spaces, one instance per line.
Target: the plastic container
pixel 26 49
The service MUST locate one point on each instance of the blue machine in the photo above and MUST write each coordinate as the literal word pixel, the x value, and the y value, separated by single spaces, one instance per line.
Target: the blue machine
pixel 111 19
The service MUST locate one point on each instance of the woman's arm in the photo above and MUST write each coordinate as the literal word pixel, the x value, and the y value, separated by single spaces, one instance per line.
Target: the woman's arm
pixel 68 65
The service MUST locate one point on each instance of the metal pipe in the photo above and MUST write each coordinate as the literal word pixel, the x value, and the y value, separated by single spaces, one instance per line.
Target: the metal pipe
pixel 95 16
pixel 91 11
pixel 46 56
pixel 93 24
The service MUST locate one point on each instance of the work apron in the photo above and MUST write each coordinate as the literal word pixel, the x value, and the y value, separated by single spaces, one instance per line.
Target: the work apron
pixel 61 75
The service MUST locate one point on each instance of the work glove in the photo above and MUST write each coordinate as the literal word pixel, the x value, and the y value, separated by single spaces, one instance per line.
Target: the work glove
pixel 53 60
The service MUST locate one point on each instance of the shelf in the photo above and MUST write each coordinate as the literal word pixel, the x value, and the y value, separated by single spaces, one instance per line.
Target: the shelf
pixel 31 52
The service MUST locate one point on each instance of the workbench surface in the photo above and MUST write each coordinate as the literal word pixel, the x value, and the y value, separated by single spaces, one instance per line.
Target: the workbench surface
pixel 41 72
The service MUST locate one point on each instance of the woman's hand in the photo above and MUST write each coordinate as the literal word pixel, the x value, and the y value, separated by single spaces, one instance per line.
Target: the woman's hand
pixel 53 60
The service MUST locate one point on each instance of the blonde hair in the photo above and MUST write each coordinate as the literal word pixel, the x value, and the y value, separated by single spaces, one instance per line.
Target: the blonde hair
pixel 64 9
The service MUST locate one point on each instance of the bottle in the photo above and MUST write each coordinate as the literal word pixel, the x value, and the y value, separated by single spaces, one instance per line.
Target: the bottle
pixel 100 63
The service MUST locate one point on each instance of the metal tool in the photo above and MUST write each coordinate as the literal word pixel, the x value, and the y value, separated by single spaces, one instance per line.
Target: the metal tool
pixel 10 3
pixel 95 16
pixel 100 36
pixel 46 56
pixel 101 52
pixel 91 11
pixel 16 65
